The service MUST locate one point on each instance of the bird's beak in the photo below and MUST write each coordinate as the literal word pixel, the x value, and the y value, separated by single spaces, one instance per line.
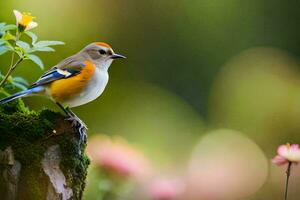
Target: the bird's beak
pixel 116 56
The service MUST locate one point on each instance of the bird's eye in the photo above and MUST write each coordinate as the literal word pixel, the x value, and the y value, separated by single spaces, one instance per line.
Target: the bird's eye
pixel 102 52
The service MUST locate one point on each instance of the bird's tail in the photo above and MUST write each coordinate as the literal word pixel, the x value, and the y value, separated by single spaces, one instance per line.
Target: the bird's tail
pixel 22 94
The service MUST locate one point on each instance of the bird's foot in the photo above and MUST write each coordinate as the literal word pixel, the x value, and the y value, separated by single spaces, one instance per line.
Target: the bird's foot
pixel 79 126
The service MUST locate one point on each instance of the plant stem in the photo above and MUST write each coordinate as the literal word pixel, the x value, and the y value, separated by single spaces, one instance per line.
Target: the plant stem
pixel 12 65
pixel 288 173
pixel 11 69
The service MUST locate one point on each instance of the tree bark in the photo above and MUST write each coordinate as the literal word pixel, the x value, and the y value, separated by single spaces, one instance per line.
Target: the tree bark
pixel 41 156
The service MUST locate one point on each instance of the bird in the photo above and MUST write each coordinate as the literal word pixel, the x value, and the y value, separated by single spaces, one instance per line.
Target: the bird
pixel 75 81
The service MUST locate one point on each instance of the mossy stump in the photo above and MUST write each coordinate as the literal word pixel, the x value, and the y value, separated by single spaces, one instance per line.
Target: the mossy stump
pixel 41 156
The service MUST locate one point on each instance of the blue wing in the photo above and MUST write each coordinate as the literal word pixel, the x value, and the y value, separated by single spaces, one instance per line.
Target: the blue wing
pixel 58 73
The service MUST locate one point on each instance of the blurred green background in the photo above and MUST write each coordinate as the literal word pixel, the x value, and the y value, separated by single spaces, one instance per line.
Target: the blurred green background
pixel 192 67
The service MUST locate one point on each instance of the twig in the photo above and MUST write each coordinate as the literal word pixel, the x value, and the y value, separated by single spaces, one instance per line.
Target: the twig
pixel 288 173
pixel 12 66
pixel 11 69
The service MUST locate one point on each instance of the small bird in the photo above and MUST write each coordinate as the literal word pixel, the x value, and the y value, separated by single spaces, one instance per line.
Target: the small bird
pixel 74 81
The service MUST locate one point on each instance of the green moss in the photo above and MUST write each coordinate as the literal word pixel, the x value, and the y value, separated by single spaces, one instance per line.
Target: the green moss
pixel 27 132
pixel 74 164
pixel 14 106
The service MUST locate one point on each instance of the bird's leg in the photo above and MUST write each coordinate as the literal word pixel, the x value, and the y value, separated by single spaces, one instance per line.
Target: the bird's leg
pixel 76 122
pixel 71 114
pixel 62 108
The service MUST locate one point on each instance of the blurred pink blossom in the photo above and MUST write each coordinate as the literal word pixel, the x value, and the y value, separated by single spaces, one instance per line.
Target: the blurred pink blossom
pixel 117 156
pixel 166 189
pixel 287 153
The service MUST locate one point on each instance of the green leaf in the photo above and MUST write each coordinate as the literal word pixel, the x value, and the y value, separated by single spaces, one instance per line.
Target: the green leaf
pixel 2 25
pixel 8 86
pixel 2 42
pixel 36 60
pixel 3 50
pixel 33 36
pixel 42 49
pixel 23 45
pixel 9 27
pixel 45 43
pixel 2 32
pixel 20 86
pixel 20 80
pixel 9 46
pixel 8 36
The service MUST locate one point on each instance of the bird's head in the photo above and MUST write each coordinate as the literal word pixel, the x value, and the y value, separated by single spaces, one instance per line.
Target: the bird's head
pixel 101 54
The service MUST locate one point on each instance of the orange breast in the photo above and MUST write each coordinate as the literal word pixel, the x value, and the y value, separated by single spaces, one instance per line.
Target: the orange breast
pixel 64 89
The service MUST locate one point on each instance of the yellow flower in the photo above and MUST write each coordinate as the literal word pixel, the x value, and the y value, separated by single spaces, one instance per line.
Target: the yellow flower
pixel 25 20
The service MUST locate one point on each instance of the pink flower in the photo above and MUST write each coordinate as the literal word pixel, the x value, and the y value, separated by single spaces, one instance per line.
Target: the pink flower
pixel 116 156
pixel 287 153
pixel 166 189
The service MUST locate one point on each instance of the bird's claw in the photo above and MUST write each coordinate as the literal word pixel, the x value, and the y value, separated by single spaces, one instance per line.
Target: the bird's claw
pixel 79 126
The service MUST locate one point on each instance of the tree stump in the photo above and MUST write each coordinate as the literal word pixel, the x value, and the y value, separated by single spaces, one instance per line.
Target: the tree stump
pixel 41 156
